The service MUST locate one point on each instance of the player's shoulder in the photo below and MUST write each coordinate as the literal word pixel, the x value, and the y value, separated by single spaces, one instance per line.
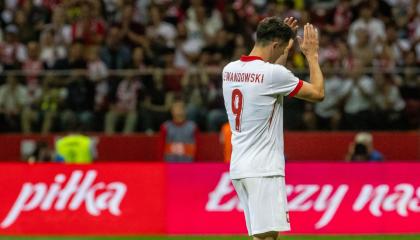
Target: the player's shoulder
pixel 257 66
pixel 278 69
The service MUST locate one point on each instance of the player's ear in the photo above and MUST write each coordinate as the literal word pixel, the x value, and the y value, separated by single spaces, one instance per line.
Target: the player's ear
pixel 284 46
pixel 273 48
pixel 276 46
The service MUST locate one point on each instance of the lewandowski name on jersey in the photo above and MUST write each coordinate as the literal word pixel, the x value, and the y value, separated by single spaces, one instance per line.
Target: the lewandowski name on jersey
pixel 243 77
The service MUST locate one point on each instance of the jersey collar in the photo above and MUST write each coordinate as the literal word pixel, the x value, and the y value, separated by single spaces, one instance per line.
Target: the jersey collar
pixel 245 58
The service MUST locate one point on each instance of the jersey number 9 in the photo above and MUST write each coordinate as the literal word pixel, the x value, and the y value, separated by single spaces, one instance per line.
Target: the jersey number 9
pixel 237 103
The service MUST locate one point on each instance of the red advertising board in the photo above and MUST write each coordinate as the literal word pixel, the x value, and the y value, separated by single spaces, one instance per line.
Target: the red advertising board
pixel 142 198
pixel 323 198
pixel 203 193
pixel 89 199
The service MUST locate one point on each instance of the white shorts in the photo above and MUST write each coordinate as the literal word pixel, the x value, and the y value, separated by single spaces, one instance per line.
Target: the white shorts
pixel 265 203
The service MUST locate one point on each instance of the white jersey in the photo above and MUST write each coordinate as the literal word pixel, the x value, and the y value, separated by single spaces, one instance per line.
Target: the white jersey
pixel 253 91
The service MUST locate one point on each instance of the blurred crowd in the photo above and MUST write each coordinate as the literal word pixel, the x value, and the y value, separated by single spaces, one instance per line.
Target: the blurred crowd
pixel 118 65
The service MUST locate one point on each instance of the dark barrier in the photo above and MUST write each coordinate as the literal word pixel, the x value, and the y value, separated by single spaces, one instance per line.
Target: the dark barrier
pixel 302 146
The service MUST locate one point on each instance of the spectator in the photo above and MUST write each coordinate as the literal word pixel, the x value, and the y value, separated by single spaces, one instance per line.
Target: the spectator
pixel 32 66
pixel 75 148
pixel 74 60
pixel 231 21
pixel 89 26
pixel 156 105
pixel 12 100
pixel 395 45
pixel 342 18
pixel 98 75
pixel 187 50
pixel 142 12
pixel 410 88
pixel 194 90
pixel 114 53
pixel 358 98
pixel 217 114
pixel 199 26
pixel 139 60
pixel 111 9
pixel 13 51
pixel 161 33
pixel 221 48
pixel 27 32
pixel 388 102
pixel 50 51
pixel 385 59
pixel 362 150
pixel 366 22
pixel 50 103
pixel 41 154
pixel 102 102
pixel 125 106
pixel 363 50
pixel 30 112
pixel 132 31
pixel 328 112
pixel 96 68
pixel 62 32
pixel 172 75
pixel 79 101
pixel 345 58
pixel 240 48
pixel 7 9
pixel 329 50
pixel 37 15
pixel 179 136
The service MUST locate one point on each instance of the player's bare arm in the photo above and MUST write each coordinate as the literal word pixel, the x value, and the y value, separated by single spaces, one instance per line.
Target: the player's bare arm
pixel 309 45
pixel 293 24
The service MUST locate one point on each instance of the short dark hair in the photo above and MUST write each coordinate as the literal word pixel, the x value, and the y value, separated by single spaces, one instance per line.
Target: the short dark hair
pixel 273 28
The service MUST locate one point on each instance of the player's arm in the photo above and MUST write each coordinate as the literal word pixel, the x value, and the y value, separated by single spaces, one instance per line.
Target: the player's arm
pixel 314 90
pixel 292 23
pixel 282 60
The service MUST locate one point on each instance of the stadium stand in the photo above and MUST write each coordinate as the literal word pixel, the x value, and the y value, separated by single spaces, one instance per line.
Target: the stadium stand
pixel 100 62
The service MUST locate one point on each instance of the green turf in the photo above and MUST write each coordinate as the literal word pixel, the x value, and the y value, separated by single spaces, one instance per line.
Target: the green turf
pixel 395 237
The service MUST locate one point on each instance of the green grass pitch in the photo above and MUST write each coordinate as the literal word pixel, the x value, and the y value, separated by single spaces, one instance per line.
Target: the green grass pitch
pixel 388 237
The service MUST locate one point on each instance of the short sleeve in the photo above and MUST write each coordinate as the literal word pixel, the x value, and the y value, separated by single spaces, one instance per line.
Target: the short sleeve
pixel 284 82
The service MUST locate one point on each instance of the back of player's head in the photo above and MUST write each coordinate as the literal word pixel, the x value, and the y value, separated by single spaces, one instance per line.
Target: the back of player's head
pixel 273 29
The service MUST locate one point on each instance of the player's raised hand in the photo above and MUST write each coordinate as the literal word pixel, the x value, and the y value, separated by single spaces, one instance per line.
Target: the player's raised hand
pixel 309 45
pixel 283 58
pixel 292 23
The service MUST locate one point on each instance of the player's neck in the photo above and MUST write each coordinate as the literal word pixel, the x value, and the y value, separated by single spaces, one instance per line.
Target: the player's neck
pixel 260 52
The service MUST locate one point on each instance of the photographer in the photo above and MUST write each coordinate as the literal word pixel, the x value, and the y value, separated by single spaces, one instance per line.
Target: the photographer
pixel 361 150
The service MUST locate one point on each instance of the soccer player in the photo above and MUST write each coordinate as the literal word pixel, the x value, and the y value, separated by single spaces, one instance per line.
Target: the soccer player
pixel 253 90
